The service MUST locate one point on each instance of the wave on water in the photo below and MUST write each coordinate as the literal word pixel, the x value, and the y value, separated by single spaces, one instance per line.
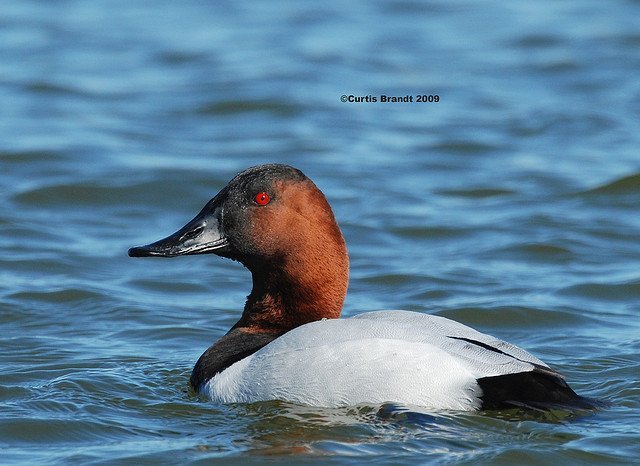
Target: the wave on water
pixel 626 185
pixel 623 292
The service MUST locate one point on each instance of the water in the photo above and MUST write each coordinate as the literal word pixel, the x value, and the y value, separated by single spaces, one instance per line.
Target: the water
pixel 510 205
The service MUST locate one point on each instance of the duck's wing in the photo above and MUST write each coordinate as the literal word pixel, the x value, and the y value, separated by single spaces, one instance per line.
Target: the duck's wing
pixel 482 354
pixel 507 375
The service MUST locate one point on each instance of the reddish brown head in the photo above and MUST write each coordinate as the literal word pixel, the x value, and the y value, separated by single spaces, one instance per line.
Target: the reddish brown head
pixel 275 221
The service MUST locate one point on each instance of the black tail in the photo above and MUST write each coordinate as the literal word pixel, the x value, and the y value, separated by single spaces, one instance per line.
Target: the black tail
pixel 541 388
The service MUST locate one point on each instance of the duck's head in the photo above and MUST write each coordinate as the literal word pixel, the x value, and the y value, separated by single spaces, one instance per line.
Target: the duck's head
pixel 276 222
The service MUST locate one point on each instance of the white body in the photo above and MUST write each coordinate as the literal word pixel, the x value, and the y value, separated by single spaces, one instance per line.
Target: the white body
pixel 376 357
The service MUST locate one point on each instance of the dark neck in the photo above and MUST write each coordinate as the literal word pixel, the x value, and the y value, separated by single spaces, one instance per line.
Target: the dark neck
pixel 294 291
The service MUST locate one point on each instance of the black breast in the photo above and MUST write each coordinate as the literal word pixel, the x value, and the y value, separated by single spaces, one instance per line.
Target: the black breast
pixel 234 346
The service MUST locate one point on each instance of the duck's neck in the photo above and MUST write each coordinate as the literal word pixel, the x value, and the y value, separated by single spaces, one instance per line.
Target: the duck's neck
pixel 297 288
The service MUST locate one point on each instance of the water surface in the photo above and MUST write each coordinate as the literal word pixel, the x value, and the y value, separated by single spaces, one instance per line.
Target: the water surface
pixel 510 205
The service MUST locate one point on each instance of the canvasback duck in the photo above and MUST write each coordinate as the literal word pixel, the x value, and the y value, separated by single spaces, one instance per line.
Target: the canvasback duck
pixel 290 344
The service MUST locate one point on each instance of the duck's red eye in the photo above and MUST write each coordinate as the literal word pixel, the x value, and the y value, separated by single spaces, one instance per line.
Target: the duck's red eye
pixel 262 198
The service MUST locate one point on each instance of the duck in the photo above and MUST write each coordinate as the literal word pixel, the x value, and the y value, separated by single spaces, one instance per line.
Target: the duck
pixel 290 343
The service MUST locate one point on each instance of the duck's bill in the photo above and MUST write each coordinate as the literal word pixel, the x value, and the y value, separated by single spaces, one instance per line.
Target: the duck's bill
pixel 202 235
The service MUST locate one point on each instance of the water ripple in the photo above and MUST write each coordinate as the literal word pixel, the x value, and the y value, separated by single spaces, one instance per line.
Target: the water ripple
pixel 232 107
pixel 620 292
pixel 517 317
pixel 626 185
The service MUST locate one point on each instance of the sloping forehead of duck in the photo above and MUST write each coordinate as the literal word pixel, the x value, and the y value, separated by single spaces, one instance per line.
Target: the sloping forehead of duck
pixel 267 174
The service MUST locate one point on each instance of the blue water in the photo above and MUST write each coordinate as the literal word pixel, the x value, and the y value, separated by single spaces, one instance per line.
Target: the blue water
pixel 511 205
